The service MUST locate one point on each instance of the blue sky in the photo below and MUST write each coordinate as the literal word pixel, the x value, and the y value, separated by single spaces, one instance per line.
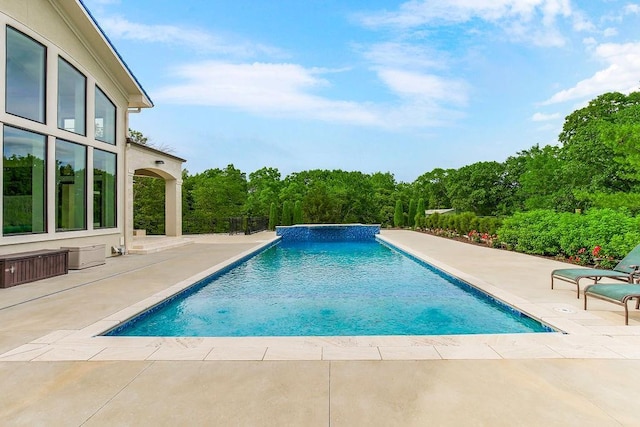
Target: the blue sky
pixel 389 86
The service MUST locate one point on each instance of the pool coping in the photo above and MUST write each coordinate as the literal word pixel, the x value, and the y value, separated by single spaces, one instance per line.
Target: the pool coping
pixel 575 341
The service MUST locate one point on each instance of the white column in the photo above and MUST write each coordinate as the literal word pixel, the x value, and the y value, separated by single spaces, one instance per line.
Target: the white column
pixel 173 207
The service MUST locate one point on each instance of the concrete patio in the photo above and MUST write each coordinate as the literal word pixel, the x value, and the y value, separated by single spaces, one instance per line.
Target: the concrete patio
pixel 56 372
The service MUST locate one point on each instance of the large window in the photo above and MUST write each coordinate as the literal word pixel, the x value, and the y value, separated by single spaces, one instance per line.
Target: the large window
pixel 71 177
pixel 25 83
pixel 104 189
pixel 105 120
pixel 72 95
pixel 23 182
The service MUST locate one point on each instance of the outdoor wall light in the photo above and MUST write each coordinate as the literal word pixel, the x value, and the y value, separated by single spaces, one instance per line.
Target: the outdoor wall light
pixel 159 162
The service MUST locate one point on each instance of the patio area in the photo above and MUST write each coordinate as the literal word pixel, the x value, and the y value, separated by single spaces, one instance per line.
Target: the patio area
pixel 56 372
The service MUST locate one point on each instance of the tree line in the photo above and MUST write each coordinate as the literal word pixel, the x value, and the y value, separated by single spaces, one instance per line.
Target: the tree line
pixel 596 164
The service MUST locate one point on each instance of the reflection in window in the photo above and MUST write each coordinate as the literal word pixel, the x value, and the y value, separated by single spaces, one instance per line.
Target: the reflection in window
pixel 23 182
pixel 25 83
pixel 104 189
pixel 72 91
pixel 105 120
pixel 71 160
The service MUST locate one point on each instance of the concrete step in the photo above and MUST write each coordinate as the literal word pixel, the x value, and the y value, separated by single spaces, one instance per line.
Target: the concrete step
pixel 151 244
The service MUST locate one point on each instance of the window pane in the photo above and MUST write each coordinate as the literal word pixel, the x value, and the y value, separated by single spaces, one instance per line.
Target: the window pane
pixel 71 160
pixel 104 189
pixel 72 91
pixel 23 186
pixel 105 118
pixel 25 84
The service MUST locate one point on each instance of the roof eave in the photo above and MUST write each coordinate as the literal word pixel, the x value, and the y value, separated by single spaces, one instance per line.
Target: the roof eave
pixel 138 97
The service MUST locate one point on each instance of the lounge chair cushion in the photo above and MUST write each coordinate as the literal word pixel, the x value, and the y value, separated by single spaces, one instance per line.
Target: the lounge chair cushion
pixel 578 273
pixel 614 291
pixel 628 263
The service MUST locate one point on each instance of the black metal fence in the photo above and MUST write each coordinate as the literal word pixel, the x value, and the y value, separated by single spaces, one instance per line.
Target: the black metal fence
pixel 248 225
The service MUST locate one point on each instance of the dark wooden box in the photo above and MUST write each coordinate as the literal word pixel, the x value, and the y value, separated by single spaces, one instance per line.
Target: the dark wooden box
pixel 27 267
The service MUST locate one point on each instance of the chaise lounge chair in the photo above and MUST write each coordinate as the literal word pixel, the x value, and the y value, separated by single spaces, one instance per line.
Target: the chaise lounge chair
pixel 627 270
pixel 614 293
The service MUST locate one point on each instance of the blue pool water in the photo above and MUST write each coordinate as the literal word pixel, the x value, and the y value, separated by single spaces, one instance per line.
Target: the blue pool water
pixel 328 288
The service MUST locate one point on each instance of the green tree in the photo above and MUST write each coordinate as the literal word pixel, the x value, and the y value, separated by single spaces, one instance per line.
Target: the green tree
pixel 263 188
pixel 411 218
pixel 190 220
pixel 383 187
pixel 591 141
pixel 319 207
pixel 477 188
pixel 543 183
pixel 273 216
pixel 148 204
pixel 298 217
pixel 219 194
pixel 432 187
pixel 287 214
pixel 137 137
pixel 419 217
pixel 398 216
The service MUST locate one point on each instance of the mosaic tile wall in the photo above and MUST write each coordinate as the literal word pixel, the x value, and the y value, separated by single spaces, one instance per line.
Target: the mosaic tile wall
pixel 325 233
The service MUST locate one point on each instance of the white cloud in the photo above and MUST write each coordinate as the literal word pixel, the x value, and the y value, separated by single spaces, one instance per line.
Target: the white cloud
pixel 524 20
pixel 289 90
pixel 407 70
pixel 541 117
pixel 193 38
pixel 610 32
pixel 425 87
pixel 404 55
pixel 620 75
pixel 632 9
pixel 271 89
pixel 581 22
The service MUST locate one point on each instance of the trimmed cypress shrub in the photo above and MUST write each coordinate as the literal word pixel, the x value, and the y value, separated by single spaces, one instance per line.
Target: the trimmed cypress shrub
pixel 411 220
pixel 286 213
pixel 419 217
pixel 272 217
pixel 297 213
pixel 398 216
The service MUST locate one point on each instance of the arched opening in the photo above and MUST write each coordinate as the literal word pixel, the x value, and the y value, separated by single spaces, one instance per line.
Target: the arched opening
pixel 149 203
pixel 154 171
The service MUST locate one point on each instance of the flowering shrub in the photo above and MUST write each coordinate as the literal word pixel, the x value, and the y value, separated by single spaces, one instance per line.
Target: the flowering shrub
pixel 581 257
pixel 478 237
pixel 474 236
pixel 600 235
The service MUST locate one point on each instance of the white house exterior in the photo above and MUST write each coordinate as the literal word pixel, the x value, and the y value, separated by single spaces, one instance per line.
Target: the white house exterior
pixel 66 180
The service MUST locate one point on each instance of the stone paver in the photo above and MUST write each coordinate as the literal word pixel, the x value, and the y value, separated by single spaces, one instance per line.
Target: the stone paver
pixel 55 372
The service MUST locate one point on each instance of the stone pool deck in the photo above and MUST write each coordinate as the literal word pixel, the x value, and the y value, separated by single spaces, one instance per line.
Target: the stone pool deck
pixel 55 372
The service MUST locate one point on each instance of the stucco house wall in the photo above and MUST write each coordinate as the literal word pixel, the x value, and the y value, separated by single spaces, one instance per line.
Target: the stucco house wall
pixel 67 31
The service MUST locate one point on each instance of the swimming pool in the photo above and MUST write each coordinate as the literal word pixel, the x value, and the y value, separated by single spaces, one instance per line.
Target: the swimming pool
pixel 328 288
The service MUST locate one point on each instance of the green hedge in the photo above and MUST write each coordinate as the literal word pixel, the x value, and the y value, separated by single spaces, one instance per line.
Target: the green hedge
pixel 461 224
pixel 611 233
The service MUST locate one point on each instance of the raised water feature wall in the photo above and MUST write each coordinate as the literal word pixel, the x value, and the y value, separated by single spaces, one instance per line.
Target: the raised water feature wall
pixel 328 232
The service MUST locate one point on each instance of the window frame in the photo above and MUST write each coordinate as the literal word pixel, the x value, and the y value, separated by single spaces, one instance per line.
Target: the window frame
pixel 84 106
pixel 45 195
pixel 45 80
pixel 58 200
pixel 98 90
pixel 115 191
